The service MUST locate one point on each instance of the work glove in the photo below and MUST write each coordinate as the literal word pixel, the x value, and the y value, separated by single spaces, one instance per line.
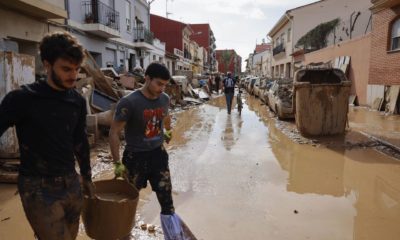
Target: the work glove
pixel 88 188
pixel 119 169
pixel 168 135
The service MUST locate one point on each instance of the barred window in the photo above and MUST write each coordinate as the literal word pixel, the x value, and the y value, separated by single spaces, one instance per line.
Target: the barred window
pixel 395 35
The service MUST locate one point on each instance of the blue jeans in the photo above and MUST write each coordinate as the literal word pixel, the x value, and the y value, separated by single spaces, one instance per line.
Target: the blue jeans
pixel 229 98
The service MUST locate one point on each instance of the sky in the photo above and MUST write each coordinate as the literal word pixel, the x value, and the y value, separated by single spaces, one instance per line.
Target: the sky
pixel 237 24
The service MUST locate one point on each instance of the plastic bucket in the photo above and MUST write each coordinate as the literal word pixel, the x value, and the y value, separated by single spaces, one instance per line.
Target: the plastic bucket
pixel 111 215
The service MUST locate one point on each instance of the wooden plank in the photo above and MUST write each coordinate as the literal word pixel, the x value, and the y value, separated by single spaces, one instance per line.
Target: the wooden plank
pixel 91 60
pixel 377 104
pixel 101 82
pixel 8 177
pixel 393 96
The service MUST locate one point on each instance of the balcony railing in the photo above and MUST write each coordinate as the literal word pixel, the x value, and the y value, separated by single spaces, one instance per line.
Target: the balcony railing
pixel 143 35
pixel 98 12
pixel 278 49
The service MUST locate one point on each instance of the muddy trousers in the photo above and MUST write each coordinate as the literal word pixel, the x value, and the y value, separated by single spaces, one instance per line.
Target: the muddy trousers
pixel 229 98
pixel 151 166
pixel 52 205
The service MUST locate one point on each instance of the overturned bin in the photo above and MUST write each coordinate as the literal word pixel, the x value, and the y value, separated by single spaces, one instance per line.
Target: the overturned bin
pixel 321 101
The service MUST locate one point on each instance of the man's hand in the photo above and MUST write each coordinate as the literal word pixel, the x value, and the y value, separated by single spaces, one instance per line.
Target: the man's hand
pixel 119 169
pixel 88 188
pixel 168 135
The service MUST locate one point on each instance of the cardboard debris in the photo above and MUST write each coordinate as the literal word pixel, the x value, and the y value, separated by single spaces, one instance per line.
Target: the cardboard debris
pixel 110 72
pixel 127 81
pixel 174 92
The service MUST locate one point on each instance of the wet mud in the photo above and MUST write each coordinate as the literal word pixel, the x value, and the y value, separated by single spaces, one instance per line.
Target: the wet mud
pixel 255 177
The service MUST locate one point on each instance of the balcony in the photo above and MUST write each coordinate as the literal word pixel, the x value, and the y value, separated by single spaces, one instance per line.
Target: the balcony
pixel 100 19
pixel 143 38
pixel 278 49
pixel 36 8
pixel 178 52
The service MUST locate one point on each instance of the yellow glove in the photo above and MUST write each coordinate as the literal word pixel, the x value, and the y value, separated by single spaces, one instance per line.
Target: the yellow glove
pixel 168 135
pixel 119 169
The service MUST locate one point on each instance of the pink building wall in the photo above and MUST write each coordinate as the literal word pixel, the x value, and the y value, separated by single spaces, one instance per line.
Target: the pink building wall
pixel 358 73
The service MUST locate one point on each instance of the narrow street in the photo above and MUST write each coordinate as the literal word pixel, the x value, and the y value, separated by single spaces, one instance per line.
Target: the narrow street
pixel 240 177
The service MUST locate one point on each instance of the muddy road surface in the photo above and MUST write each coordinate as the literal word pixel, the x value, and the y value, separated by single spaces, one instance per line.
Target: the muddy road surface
pixel 252 177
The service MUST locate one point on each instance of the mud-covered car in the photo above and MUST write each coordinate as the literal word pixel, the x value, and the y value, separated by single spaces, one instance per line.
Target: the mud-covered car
pixel 262 93
pixel 280 98
pixel 250 86
pixel 256 88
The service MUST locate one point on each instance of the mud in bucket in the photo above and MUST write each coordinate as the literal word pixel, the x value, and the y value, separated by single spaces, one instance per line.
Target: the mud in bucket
pixel 111 215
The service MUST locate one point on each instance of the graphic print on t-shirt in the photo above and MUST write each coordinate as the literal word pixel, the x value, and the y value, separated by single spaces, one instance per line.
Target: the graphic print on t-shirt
pixel 152 119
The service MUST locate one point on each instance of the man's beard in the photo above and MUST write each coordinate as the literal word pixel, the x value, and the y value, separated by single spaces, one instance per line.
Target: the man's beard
pixel 57 80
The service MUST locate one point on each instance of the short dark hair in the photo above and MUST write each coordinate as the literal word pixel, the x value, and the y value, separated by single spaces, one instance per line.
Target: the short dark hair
pixel 60 45
pixel 157 70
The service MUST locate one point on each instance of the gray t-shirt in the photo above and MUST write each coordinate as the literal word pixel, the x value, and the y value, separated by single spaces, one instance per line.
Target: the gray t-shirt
pixel 144 120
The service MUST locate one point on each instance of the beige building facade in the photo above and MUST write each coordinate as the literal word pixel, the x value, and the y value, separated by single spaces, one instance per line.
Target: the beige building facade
pixel 24 23
pixel 354 21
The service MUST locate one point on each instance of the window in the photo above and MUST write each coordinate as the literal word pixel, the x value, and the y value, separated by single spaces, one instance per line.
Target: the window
pixel 154 57
pixel 277 42
pixel 288 34
pixel 283 38
pixel 128 15
pixel 395 43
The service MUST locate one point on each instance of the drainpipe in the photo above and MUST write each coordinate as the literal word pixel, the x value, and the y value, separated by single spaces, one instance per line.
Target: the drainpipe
pixel 291 37
pixel 66 5
pixel 291 29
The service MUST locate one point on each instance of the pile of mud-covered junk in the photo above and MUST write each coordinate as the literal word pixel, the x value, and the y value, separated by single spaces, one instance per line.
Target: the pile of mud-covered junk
pixel 103 87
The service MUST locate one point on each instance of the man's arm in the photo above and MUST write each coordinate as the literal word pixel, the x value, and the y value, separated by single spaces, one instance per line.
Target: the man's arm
pixel 11 110
pixel 167 122
pixel 81 145
pixel 115 130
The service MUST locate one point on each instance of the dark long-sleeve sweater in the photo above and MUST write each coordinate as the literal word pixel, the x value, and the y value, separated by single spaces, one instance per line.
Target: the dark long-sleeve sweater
pixel 50 128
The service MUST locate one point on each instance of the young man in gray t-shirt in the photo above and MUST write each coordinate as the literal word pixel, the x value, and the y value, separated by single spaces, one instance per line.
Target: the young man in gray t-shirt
pixel 144 115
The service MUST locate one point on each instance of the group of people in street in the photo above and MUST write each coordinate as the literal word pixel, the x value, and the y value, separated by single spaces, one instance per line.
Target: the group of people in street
pixel 50 118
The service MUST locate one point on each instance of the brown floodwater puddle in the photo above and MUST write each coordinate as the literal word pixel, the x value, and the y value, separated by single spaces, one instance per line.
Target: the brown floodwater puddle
pixel 243 177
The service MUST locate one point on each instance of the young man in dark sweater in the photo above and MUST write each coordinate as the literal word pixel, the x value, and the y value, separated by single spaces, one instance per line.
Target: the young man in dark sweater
pixel 50 120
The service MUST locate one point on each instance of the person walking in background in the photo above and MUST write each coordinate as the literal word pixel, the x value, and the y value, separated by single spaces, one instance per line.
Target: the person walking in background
pixel 144 115
pixel 50 119
pixel 229 89
pixel 217 82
